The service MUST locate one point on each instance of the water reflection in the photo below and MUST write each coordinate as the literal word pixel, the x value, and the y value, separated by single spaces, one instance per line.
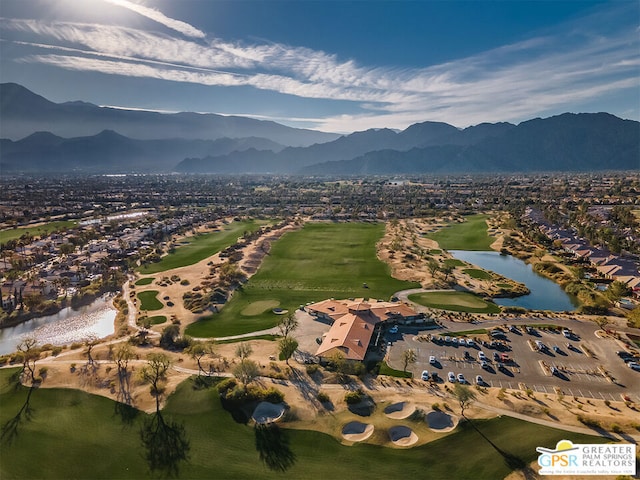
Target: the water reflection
pixel 545 294
pixel 66 326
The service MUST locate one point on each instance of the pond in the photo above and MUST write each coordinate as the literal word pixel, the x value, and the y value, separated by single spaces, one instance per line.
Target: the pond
pixel 66 326
pixel 545 294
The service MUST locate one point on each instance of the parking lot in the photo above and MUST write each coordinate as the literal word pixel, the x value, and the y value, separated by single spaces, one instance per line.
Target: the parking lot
pixel 578 361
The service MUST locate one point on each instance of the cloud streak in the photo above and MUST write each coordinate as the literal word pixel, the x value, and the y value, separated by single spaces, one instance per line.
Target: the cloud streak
pixel 508 83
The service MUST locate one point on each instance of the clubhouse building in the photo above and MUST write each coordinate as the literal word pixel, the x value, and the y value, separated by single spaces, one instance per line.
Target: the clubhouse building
pixel 357 323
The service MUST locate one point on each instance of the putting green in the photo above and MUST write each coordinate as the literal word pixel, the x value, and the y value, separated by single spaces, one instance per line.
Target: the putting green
pixel 148 300
pixel 455 301
pixel 256 308
pixel 145 281
pixel 477 273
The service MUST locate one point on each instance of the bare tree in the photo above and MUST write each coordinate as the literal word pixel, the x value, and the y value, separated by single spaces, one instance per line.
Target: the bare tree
pixel 90 342
pixel 287 324
pixel 409 356
pixel 243 350
pixel 433 267
pixel 197 350
pixel 287 347
pixel 464 395
pixel 30 354
pixel 155 373
pixel 246 371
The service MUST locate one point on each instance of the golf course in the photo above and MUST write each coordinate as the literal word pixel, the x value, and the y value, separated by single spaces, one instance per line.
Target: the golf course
pixel 76 435
pixel 322 260
pixel 455 301
pixel 469 235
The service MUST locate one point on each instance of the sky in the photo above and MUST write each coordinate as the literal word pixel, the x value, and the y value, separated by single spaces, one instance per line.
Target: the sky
pixel 331 65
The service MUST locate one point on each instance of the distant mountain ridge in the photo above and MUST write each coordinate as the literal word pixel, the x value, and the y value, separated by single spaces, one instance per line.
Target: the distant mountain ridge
pixel 567 142
pixel 24 112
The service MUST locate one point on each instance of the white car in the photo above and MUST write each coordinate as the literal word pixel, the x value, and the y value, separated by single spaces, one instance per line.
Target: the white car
pixel 425 375
pixel 432 360
pixel 462 342
pixel 481 357
pixel 461 378
pixel 451 377
pixel 470 343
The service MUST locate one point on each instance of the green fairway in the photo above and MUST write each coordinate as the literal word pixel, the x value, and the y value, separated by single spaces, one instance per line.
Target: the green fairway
pixel 71 434
pixel 149 301
pixel 322 260
pixel 455 301
pixel 202 246
pixel 477 273
pixel 145 281
pixel 470 235
pixel 157 319
pixel 39 231
pixel 261 306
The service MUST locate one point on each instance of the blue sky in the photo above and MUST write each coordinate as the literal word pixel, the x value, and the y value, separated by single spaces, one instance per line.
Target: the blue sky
pixel 331 65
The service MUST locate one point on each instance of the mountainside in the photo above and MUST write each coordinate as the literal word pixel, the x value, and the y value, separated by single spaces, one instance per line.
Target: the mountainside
pixel 568 142
pixel 24 112
pixel 110 152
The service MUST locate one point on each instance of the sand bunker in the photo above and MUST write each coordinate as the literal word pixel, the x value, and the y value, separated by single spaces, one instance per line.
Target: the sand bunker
pixel 357 431
pixel 402 436
pixel 441 421
pixel 400 410
pixel 267 412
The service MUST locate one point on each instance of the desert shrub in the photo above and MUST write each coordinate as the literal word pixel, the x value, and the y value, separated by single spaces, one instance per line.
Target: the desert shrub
pixel 436 407
pixel 311 369
pixel 226 384
pixel 272 395
pixel 615 428
pixel 353 397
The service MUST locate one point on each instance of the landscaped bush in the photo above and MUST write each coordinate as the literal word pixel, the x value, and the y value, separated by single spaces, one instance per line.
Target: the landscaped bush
pixel 272 395
pixel 311 369
pixel 354 397
pixel 226 384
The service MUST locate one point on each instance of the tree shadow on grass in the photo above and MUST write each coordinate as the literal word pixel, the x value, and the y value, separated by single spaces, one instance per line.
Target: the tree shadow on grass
pixel 512 461
pixel 272 445
pixel 9 430
pixel 165 445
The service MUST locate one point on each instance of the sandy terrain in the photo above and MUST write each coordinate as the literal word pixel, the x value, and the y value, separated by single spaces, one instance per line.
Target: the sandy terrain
pixel 402 436
pixel 267 412
pixel 441 421
pixel 400 410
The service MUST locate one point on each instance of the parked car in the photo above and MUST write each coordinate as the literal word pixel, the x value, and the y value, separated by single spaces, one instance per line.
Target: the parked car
pixel 485 365
pixel 461 378
pixel 432 360
pixel 513 329
pixel 567 333
pixel 554 371
pixel 425 375
pixel 496 356
pixel 634 365
pixel 462 342
pixel 451 376
pixel 556 348
pixel 479 380
pixel 481 356
pixel 454 341
pixel 471 343
pixel 393 329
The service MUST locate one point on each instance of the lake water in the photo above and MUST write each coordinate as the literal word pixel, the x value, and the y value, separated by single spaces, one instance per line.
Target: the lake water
pixel 545 294
pixel 66 326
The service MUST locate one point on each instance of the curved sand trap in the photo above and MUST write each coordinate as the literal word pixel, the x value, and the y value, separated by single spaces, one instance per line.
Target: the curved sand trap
pixel 357 431
pixel 440 421
pixel 402 436
pixel 267 412
pixel 400 410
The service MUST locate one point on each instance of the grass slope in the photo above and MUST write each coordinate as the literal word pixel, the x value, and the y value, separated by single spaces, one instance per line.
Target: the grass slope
pixel 71 434
pixel 455 301
pixel 470 235
pixel 14 233
pixel 320 261
pixel 201 246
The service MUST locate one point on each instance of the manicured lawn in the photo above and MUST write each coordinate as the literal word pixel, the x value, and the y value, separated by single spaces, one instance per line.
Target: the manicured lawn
pixel 71 434
pixel 202 246
pixel 453 262
pixel 392 372
pixel 455 301
pixel 149 301
pixel 13 233
pixel 477 331
pixel 157 319
pixel 477 273
pixel 261 306
pixel 145 281
pixel 470 235
pixel 320 261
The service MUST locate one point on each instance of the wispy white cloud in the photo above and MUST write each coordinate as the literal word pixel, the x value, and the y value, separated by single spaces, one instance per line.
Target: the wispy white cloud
pixel 511 82
pixel 157 16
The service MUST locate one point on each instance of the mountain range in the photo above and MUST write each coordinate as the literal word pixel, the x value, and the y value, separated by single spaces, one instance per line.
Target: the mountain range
pixel 110 140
